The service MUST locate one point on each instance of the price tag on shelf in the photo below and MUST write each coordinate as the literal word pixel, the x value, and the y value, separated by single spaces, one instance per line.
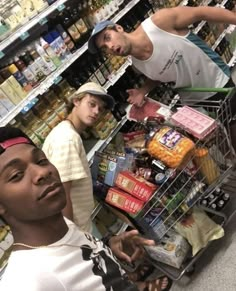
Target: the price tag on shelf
pixel 2 55
pixel 28 106
pixel 57 79
pixel 24 35
pixel 61 7
pixel 43 20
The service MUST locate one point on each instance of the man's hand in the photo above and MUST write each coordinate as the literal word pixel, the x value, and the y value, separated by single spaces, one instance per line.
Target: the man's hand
pixel 128 246
pixel 136 97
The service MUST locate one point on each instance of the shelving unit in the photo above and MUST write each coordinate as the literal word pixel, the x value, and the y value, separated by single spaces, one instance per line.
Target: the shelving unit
pixel 31 23
pixel 53 78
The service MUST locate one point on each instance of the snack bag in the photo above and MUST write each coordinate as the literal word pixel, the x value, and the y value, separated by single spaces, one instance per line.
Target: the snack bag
pixel 199 229
pixel 171 147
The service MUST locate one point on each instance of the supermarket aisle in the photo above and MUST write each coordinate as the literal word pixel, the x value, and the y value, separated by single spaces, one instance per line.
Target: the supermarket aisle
pixel 215 271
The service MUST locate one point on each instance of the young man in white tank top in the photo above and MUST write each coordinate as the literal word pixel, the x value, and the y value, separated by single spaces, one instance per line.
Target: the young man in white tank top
pixel 165 50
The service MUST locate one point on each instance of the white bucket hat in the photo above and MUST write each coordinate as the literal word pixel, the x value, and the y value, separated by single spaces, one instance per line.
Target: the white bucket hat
pixel 97 90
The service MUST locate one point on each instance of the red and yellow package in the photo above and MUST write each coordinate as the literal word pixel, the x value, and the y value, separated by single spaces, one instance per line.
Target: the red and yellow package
pixel 124 201
pixel 135 185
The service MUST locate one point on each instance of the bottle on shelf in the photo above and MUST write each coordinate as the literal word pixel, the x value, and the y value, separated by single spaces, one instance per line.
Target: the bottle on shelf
pixel 20 77
pixel 32 65
pixel 42 53
pixel 50 52
pixel 29 75
pixel 39 61
pixel 80 24
pixel 67 39
pixel 64 18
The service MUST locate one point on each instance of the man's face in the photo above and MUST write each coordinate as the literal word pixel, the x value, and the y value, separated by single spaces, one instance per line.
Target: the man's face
pixel 89 109
pixel 114 42
pixel 30 186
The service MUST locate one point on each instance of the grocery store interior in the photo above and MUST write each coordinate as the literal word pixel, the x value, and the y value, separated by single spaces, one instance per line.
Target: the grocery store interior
pixel 44 59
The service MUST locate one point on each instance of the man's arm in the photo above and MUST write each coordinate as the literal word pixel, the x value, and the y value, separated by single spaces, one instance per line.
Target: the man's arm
pixel 68 210
pixel 181 17
pixel 136 96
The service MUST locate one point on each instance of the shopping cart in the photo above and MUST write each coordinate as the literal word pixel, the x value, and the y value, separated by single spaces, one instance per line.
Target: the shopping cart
pixel 188 189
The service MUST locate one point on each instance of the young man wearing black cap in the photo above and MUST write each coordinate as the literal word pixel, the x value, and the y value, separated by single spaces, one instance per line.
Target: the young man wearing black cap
pixel 49 251
pixel 64 148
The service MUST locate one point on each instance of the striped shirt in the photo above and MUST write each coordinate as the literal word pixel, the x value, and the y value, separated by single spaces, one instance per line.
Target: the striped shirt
pixel 64 148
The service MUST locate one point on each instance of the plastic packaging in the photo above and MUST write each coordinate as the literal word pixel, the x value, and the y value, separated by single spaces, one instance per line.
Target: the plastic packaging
pixel 208 167
pixel 171 147
pixel 193 121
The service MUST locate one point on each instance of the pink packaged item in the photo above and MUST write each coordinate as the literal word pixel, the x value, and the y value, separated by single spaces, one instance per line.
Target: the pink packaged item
pixel 149 108
pixel 194 122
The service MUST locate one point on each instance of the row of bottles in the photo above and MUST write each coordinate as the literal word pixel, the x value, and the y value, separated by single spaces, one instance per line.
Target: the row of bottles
pixel 15 13
pixel 96 69
pixel 139 13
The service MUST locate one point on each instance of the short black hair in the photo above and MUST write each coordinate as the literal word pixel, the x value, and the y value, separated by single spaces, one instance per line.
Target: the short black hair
pixel 8 132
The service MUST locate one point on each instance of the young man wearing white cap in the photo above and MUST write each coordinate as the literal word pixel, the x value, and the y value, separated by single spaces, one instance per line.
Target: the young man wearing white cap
pixel 64 148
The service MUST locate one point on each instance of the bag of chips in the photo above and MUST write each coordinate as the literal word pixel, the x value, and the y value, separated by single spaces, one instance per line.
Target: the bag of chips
pixel 199 229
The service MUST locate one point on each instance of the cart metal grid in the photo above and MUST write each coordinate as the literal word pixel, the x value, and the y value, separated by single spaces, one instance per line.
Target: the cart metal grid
pixel 223 155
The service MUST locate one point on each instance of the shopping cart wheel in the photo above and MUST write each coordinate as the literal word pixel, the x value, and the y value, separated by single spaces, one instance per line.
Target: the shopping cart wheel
pixel 190 271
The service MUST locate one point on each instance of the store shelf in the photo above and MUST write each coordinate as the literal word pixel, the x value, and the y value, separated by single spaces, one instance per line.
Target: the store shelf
pixel 223 3
pixel 222 35
pixel 113 78
pixel 97 208
pixel 233 60
pixel 101 144
pixel 53 78
pixel 31 23
pixel 202 23
pixel 125 10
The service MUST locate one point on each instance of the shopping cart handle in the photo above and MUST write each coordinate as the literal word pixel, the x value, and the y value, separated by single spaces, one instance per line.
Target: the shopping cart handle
pixel 193 89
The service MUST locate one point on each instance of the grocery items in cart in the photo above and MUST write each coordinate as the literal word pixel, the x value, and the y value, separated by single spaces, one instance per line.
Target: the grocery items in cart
pixel 171 147
pixel 199 229
pixel 194 122
pixel 149 108
pixel 172 250
pixel 185 174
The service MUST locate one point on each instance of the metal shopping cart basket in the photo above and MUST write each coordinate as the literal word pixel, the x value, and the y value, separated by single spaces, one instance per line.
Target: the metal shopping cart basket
pixel 187 189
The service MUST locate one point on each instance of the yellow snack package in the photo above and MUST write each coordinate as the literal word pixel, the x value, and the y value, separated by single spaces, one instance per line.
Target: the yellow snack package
pixel 199 229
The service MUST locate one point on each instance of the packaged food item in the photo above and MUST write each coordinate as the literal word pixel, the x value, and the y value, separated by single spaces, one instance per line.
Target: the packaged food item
pixel 199 229
pixel 194 122
pixel 124 201
pixel 208 167
pixel 149 108
pixel 106 167
pixel 172 250
pixel 135 139
pixel 171 147
pixel 135 185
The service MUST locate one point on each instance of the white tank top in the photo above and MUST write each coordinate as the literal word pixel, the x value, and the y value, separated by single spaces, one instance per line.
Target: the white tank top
pixel 184 60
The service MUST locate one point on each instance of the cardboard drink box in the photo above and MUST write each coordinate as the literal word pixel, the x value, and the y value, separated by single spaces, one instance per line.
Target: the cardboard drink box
pixel 124 201
pixel 135 185
pixel 106 167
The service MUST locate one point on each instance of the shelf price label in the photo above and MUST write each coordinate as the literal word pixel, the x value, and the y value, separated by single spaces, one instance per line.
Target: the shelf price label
pixel 57 80
pixel 29 105
pixel 43 20
pixel 61 7
pixel 1 54
pixel 24 35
